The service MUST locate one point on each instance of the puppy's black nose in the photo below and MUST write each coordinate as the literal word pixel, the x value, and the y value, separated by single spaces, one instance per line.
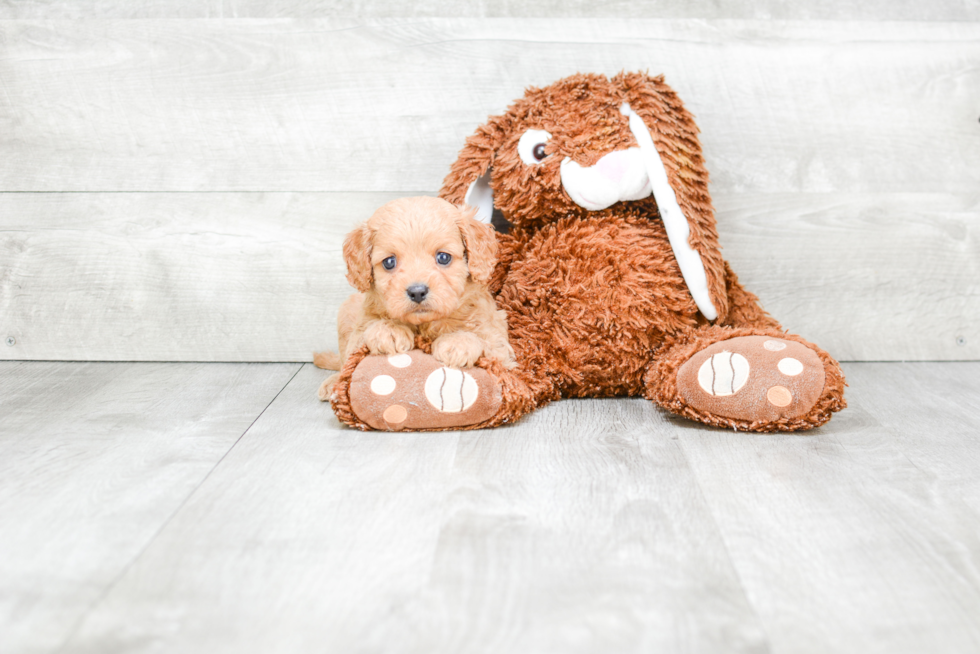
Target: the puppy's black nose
pixel 417 292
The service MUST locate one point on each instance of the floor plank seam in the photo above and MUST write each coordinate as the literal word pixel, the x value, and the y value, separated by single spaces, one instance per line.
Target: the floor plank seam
pixel 724 542
pixel 122 573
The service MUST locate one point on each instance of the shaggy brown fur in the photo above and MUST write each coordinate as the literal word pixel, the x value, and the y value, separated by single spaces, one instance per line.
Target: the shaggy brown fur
pixel 596 302
pixel 457 314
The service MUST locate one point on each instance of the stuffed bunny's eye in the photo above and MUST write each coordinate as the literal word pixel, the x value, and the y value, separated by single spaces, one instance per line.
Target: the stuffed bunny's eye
pixel 531 147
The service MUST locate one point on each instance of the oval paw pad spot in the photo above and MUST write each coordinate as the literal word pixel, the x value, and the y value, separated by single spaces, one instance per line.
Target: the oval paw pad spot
pixel 779 396
pixel 383 385
pixel 451 390
pixel 724 373
pixel 790 367
pixel 395 414
pixel 400 360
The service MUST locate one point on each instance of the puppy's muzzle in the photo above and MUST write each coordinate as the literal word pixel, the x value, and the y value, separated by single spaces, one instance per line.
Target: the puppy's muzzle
pixel 417 292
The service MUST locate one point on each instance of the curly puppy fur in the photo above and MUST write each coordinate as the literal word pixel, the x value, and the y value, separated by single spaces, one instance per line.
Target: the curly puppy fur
pixel 421 266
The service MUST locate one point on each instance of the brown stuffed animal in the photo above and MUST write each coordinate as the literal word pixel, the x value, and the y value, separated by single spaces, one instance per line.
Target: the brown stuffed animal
pixel 611 276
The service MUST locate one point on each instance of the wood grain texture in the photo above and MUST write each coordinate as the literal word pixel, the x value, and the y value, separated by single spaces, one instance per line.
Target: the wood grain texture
pixel 259 277
pixel 592 525
pixel 944 10
pixel 861 537
pixel 185 277
pixel 844 161
pixel 94 459
pixel 867 277
pixel 384 105
pixel 578 530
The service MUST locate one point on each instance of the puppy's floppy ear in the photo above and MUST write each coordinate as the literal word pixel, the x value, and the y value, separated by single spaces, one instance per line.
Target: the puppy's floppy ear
pixel 357 256
pixel 481 245
pixel 469 178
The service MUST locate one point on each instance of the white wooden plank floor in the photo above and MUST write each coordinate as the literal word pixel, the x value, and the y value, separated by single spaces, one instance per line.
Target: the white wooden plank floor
pixel 219 508
pixel 94 459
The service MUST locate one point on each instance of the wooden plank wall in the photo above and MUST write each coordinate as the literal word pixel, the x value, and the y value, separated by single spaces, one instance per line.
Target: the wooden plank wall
pixel 876 10
pixel 176 178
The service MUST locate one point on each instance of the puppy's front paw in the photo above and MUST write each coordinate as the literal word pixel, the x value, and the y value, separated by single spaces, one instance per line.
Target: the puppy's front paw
pixel 503 353
pixel 384 337
pixel 326 388
pixel 458 350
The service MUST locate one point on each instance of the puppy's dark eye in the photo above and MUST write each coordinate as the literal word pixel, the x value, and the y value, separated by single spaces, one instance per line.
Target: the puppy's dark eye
pixel 388 263
pixel 443 258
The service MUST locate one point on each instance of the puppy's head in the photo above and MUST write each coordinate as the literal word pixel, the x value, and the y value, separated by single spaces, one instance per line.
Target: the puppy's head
pixel 417 255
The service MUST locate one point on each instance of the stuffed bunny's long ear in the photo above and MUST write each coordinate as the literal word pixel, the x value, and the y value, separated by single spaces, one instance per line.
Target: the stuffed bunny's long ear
pixel 468 181
pixel 675 222
pixel 667 136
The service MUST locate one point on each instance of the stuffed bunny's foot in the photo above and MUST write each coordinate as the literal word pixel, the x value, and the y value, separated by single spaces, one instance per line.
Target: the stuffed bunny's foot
pixel 414 391
pixel 753 378
pixel 753 382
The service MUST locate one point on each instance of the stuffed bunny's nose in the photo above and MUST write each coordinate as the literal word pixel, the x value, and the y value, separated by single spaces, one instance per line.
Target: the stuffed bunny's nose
pixel 614 165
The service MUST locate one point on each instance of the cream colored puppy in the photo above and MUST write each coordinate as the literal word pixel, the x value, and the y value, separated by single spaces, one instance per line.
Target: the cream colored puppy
pixel 421 266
